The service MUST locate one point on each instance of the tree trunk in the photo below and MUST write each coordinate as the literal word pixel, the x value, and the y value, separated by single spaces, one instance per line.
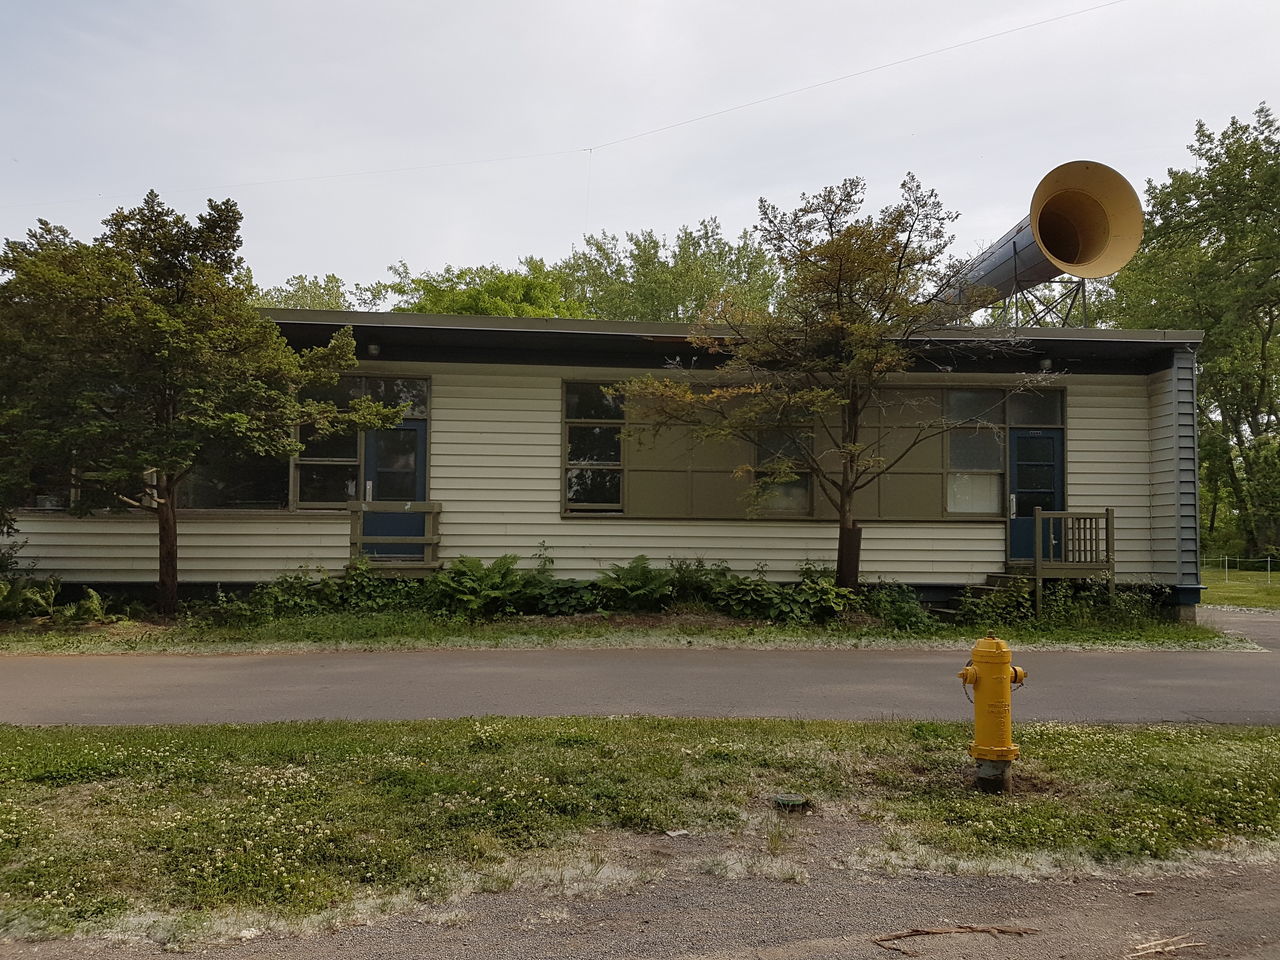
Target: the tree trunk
pixel 849 554
pixel 167 520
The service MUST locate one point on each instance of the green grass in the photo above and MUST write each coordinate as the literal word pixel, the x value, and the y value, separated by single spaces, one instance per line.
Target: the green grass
pixel 411 630
pixel 97 825
pixel 1242 588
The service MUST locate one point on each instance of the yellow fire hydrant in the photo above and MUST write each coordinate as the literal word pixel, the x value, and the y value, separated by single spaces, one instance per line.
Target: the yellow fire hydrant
pixel 991 673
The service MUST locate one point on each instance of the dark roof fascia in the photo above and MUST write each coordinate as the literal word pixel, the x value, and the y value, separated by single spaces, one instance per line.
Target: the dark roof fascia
pixel 565 341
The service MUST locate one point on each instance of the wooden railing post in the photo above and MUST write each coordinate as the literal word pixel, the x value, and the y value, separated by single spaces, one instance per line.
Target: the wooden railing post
pixel 1038 540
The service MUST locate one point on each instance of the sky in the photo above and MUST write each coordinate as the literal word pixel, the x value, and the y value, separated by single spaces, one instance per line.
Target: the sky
pixel 354 135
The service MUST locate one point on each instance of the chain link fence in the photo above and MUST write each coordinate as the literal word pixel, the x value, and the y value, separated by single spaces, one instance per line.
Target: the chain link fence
pixel 1260 566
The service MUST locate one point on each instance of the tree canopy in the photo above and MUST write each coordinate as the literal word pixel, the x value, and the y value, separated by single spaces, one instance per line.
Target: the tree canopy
pixel 532 290
pixel 646 277
pixel 125 360
pixel 856 289
pixel 1211 260
pixel 302 292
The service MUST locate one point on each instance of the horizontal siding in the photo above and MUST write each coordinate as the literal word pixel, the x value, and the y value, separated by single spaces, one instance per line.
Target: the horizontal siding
pixel 122 549
pixel 1109 461
pixel 494 465
pixel 497 477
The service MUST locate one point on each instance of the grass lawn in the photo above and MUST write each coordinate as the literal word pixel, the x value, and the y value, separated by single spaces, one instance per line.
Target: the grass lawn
pixel 410 630
pixel 98 826
pixel 1242 588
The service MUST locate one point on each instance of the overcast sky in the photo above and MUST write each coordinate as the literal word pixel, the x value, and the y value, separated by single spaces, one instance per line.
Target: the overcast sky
pixel 347 132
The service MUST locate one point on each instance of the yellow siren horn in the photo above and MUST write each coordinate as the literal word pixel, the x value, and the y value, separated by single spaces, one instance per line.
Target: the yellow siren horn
pixel 1086 220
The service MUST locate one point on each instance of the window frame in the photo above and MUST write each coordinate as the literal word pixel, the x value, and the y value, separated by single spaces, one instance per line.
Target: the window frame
pixel 567 507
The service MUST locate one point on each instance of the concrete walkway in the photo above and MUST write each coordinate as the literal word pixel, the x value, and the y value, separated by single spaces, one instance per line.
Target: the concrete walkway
pixel 1222 687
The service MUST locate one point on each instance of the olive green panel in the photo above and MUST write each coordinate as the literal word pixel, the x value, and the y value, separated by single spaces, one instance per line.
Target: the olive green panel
pixel 925 455
pixel 658 493
pixel 718 495
pixel 866 505
pixel 680 448
pixel 911 496
pixel 903 406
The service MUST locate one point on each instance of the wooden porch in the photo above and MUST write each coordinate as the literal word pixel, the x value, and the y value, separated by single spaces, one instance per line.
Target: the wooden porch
pixel 1069 545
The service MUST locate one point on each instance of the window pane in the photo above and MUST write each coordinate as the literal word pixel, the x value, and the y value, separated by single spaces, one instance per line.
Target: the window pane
pixel 395 391
pixel 236 483
pixel 395 450
pixel 587 401
pixel 973 493
pixel 791 498
pixel 1026 503
pixel 395 485
pixel 984 406
pixel 897 407
pixel 594 486
pixel 1040 409
pixel 978 449
pixel 787 444
pixel 332 447
pixel 1035 450
pixel 595 444
pixel 1035 476
pixel 339 394
pixel 326 482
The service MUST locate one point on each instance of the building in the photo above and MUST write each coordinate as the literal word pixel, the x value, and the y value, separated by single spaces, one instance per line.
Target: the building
pixel 509 446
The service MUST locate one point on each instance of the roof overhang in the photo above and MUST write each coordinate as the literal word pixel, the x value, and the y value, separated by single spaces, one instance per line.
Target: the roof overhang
pixel 604 343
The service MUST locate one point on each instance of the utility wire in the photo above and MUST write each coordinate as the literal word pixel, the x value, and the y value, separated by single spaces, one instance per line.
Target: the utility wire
pixel 631 137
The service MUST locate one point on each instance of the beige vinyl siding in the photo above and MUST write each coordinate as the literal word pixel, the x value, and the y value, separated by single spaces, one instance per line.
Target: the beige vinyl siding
pixel 495 469
pixel 232 548
pixel 1108 461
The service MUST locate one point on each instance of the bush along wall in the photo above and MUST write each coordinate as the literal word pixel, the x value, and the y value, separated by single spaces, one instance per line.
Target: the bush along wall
pixel 468 589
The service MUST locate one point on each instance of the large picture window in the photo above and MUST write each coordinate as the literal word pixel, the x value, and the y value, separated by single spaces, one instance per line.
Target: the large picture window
pixel 616 465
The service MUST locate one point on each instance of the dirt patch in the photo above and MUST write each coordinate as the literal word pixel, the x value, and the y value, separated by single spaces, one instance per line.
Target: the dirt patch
pixel 749 895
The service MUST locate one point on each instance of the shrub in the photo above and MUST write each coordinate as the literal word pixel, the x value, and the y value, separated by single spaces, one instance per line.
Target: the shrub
pixel 635 586
pixel 696 581
pixel 470 590
pixel 1070 603
pixel 895 604
pixel 544 594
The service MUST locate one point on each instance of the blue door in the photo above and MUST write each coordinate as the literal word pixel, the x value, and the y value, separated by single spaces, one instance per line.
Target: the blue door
pixel 1035 480
pixel 395 470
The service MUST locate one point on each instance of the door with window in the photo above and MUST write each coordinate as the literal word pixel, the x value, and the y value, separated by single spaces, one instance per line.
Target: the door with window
pixel 395 471
pixel 1036 479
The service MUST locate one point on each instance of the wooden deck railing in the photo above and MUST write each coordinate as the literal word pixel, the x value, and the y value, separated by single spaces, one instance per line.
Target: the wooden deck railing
pixel 415 562
pixel 1069 544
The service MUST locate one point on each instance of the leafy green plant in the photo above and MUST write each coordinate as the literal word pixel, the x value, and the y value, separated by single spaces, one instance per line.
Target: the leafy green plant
pixel 635 586
pixel 545 595
pixel 695 581
pixel 470 590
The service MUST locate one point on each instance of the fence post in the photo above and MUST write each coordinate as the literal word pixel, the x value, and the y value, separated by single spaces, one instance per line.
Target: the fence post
pixel 1226 571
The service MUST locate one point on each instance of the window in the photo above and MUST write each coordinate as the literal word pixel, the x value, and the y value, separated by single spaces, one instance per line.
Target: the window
pixel 593 422
pixel 328 472
pixel 222 482
pixel 794 497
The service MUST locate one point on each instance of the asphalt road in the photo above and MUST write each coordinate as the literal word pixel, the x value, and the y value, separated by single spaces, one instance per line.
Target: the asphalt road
pixel 1222 687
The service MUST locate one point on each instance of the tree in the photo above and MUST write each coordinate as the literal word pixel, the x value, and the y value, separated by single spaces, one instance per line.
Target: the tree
pixel 650 279
pixel 302 292
pixel 1211 260
pixel 858 295
pixel 534 290
pixel 123 361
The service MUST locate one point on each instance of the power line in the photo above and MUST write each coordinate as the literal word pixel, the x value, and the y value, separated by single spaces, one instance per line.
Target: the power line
pixel 619 140
pixel 859 73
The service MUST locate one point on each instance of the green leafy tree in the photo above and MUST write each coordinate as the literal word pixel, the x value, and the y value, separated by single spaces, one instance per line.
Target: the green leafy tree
pixel 122 361
pixel 304 292
pixel 858 291
pixel 646 277
pixel 533 290
pixel 1211 260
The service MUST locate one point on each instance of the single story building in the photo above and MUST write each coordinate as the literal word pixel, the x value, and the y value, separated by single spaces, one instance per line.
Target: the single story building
pixel 511 446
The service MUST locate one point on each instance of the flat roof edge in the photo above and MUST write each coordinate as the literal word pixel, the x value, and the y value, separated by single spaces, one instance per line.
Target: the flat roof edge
pixel 629 328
